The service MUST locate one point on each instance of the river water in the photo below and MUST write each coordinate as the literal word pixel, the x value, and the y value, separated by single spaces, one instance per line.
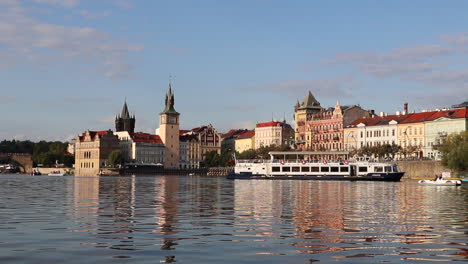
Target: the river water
pixel 166 219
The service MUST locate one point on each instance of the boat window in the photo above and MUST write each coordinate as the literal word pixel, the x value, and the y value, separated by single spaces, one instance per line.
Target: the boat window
pixel 324 169
pixel 344 169
pixel 305 169
pixel 275 169
pixel 314 169
pixel 296 169
pixel 334 169
pixel 286 169
pixel 378 169
pixel 388 169
pixel 362 169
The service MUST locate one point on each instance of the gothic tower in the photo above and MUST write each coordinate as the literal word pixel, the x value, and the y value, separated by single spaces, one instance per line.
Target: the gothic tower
pixel 125 122
pixel 169 131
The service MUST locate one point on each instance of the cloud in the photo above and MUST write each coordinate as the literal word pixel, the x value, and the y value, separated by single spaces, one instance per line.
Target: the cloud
pixel 63 3
pixel 7 99
pixel 124 4
pixel 91 15
pixel 340 86
pixel 30 41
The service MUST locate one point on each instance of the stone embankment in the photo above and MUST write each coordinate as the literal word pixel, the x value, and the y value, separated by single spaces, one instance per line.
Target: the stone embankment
pixel 219 172
pixel 422 169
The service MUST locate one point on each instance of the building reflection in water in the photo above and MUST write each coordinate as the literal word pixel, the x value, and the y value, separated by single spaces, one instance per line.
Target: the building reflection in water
pixel 86 202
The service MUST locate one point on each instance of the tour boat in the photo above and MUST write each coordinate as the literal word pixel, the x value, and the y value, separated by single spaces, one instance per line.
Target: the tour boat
pixel 440 182
pixel 303 168
pixel 55 173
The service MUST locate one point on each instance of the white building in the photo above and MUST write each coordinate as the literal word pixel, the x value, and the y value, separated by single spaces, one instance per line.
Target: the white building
pixel 273 133
pixel 141 148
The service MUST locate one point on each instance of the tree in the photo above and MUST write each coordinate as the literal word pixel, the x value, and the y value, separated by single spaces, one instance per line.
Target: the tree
pixel 455 151
pixel 115 158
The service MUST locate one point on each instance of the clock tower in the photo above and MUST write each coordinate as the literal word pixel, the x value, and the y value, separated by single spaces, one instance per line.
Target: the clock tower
pixel 169 131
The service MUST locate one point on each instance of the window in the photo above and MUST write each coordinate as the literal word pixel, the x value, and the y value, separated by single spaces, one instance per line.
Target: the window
pixel 314 169
pixel 305 169
pixel 344 169
pixel 378 169
pixel 388 168
pixel 324 169
pixel 362 169
pixel 286 169
pixel 296 169
pixel 334 169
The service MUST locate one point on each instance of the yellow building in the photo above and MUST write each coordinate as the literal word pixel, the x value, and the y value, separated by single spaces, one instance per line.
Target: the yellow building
pixel 350 138
pixel 92 149
pixel 245 141
pixel 411 133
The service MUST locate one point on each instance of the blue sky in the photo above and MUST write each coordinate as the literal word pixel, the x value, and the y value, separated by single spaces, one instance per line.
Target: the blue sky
pixel 68 65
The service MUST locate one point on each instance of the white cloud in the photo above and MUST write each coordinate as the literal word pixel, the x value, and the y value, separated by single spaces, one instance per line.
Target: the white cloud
pixel 124 4
pixel 28 40
pixel 64 3
pixel 90 15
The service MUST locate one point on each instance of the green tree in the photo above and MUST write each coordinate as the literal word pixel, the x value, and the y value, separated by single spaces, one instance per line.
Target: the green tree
pixel 455 151
pixel 115 158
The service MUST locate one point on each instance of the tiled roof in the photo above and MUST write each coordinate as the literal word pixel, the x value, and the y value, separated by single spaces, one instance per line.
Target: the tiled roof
pixel 181 132
pixel 247 134
pixel 233 132
pixel 452 113
pixel 270 124
pixel 379 120
pixel 146 138
pixel 93 134
pixel 417 117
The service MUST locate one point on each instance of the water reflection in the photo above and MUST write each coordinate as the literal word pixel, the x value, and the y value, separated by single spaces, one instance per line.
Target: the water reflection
pixel 214 220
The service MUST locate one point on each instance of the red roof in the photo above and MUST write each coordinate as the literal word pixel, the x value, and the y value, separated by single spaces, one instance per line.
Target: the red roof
pixel 270 124
pixel 93 134
pixel 452 113
pixel 181 132
pixel 247 134
pixel 233 132
pixel 379 120
pixel 146 138
pixel 417 117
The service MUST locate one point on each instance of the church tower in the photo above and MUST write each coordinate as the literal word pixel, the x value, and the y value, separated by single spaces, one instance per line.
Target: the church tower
pixel 169 131
pixel 125 122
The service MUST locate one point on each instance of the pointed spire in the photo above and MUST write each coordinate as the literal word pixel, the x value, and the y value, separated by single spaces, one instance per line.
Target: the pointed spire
pixel 310 100
pixel 125 114
pixel 169 108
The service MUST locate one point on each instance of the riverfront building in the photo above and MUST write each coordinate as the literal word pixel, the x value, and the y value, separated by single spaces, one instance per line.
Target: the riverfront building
pixel 321 129
pixel 141 148
pixel 92 149
pixel 273 133
pixel 245 141
pixel 228 140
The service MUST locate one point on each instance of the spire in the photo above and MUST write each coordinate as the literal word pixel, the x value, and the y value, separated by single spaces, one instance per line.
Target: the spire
pixel 169 109
pixel 310 101
pixel 125 114
pixel 297 104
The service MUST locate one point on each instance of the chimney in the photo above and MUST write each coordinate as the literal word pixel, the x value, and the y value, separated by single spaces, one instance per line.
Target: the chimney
pixel 372 112
pixel 381 114
pixel 405 108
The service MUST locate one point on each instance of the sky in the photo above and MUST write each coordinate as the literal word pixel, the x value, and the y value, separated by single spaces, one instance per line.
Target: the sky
pixel 68 65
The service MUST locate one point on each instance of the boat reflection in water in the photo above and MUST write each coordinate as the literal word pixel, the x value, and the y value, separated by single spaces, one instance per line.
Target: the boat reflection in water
pixel 214 220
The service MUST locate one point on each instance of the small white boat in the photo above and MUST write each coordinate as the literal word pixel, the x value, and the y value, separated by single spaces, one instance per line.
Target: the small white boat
pixel 55 173
pixel 440 182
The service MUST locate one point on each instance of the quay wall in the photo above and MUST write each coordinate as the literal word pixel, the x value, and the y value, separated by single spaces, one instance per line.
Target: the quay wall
pixel 422 169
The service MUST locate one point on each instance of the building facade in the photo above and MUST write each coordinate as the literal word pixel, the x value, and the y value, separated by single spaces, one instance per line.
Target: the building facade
pixel 169 132
pixel 228 140
pixel 245 141
pixel 273 133
pixel 209 139
pixel 441 124
pixel 321 129
pixel 141 148
pixel 190 150
pixel 92 149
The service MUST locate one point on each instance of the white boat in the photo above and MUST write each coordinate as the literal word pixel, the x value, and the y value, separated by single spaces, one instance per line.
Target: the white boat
pixel 303 168
pixel 440 182
pixel 55 173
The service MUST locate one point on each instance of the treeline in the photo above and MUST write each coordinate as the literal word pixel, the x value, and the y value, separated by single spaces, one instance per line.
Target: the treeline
pixel 46 153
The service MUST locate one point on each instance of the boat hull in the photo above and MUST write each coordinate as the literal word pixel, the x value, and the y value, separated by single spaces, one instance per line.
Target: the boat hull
pixel 394 176
pixel 440 182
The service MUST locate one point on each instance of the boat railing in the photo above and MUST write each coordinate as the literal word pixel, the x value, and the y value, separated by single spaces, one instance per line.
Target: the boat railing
pixel 307 161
